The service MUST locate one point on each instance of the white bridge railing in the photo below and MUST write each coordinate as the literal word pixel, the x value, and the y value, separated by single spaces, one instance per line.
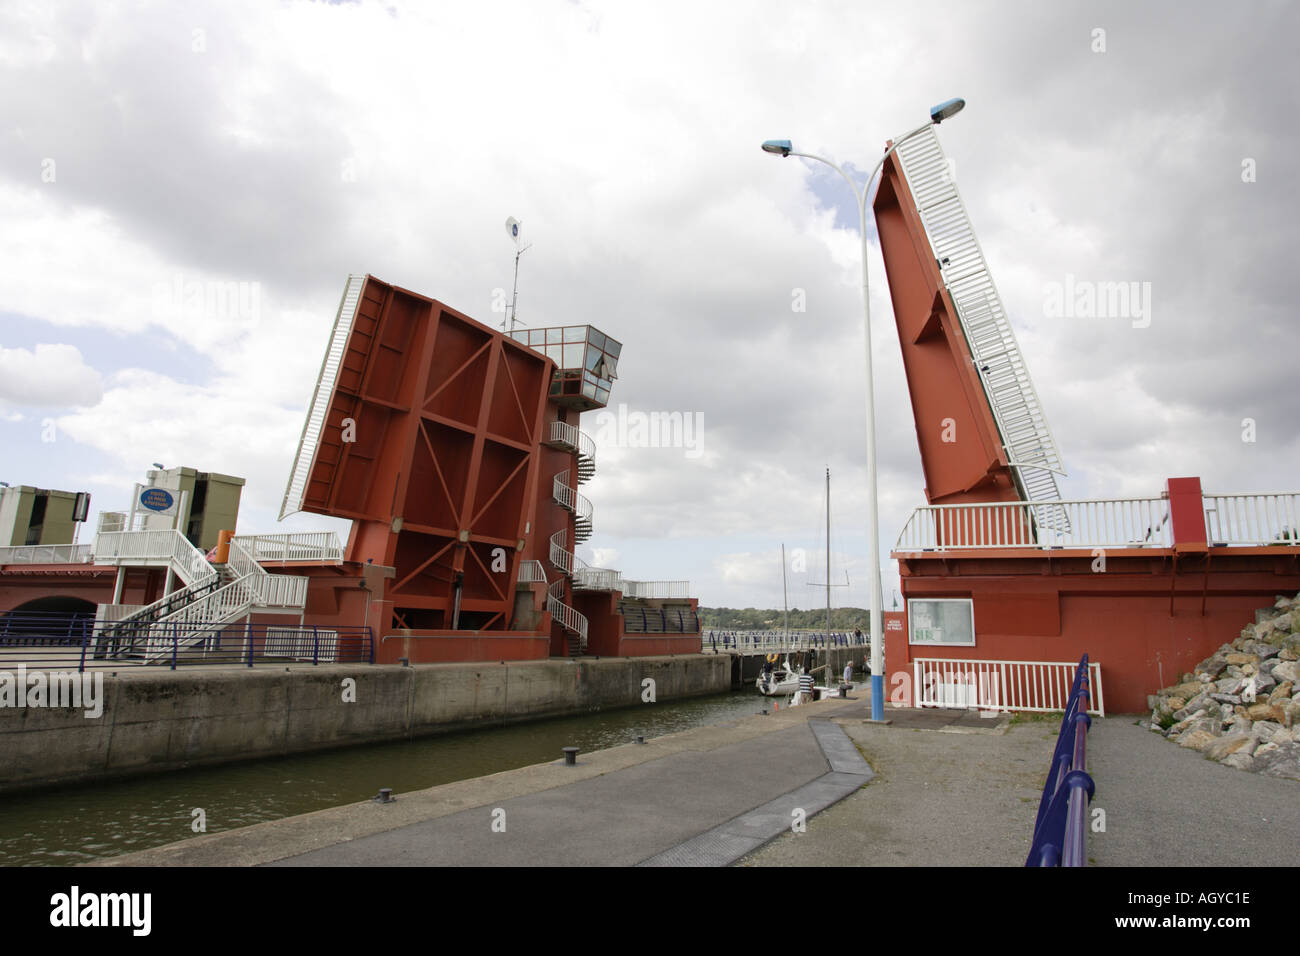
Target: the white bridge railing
pixel 657 589
pixel 1253 519
pixel 47 554
pixel 1001 686
pixel 322 546
pixel 1095 523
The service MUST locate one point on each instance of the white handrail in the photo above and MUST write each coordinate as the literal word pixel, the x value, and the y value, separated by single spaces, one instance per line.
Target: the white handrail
pixel 303 459
pixel 568 617
pixel 531 572
pixel 1253 519
pixel 657 589
pixel 568 498
pixel 47 554
pixel 1097 523
pixel 561 556
pixel 322 546
pixel 574 438
pixel 1001 686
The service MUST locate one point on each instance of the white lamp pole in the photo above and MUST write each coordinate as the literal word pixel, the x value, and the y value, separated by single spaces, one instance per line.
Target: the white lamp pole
pixel 783 147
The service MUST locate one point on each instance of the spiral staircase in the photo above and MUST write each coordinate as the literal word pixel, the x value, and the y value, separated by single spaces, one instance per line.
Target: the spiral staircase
pixel 574 572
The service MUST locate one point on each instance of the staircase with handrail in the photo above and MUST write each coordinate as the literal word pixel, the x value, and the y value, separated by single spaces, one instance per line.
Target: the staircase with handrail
pixel 213 598
pixel 1031 450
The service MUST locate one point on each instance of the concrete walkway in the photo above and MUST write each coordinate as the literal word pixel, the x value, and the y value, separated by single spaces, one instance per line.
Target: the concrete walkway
pixel 935 788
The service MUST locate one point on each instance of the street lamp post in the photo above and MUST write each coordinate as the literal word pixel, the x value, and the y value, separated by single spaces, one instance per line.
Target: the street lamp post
pixel 783 147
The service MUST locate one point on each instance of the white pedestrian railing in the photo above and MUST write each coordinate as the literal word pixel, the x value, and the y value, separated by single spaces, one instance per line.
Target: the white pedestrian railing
pixel 144 548
pixel 47 554
pixel 564 433
pixel 560 555
pixel 322 546
pixel 1272 519
pixel 1097 523
pixel 569 618
pixel 531 572
pixel 1001 686
pixel 598 579
pixel 111 613
pixel 569 499
pixel 657 589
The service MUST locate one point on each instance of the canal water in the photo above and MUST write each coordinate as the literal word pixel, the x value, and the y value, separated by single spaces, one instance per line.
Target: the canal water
pixel 70 825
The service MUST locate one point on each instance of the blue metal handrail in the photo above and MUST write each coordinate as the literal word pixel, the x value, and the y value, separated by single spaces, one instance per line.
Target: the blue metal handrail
pixel 1060 830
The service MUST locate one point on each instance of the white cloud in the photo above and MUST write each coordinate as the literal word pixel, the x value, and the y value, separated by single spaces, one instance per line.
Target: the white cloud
pixel 50 376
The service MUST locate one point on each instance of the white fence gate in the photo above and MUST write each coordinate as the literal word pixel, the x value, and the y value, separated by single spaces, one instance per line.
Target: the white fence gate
pixel 1005 686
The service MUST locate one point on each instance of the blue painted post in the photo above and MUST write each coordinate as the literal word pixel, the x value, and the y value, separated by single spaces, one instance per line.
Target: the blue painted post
pixel 85 639
pixel 315 650
pixel 370 639
pixel 175 642
pixel 248 634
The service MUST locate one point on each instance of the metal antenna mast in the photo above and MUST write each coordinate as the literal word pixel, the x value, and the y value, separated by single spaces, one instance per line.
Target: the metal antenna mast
pixel 512 230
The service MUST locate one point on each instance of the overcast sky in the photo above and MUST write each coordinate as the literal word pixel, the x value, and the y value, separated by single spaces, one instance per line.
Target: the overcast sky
pixel 151 149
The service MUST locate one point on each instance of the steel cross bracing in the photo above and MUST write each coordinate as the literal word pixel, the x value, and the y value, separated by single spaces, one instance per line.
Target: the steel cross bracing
pixel 320 400
pixel 1031 450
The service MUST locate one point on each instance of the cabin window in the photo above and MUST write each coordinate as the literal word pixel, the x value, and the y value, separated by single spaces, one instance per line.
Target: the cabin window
pixel 944 621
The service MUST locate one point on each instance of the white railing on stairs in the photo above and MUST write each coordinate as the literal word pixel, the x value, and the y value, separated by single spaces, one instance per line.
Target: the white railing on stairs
pixel 574 438
pixel 320 400
pixel 568 617
pixel 143 548
pixel 1026 436
pixel 561 557
pixel 569 499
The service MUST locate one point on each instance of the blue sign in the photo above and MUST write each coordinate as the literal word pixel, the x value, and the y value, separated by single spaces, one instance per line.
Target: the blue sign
pixel 157 499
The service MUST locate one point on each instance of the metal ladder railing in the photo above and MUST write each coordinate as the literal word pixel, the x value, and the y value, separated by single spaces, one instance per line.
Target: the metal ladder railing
pixel 1030 447
pixel 320 400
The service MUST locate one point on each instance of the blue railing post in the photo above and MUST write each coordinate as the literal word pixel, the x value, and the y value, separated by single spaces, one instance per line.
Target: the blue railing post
pixel 248 632
pixel 175 642
pixel 85 639
pixel 370 639
pixel 315 650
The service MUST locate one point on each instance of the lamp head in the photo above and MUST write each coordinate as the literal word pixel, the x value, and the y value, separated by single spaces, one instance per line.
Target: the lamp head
pixel 159 466
pixel 946 109
pixel 781 147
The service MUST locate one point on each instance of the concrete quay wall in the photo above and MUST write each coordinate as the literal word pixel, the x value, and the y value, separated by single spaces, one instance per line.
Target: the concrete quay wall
pixel 165 720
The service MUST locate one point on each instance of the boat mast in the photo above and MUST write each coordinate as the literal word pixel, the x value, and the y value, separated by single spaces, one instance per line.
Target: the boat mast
pixel 785 597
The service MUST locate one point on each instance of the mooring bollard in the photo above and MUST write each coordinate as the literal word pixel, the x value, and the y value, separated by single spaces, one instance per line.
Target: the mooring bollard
pixel 385 795
pixel 570 756
pixel 640 738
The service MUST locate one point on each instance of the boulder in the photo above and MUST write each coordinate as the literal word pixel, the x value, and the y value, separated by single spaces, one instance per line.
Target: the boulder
pixel 1196 740
pixel 1265 730
pixel 1240 659
pixel 1281 693
pixel 1280 761
pixel 1240 760
pixel 1221 747
pixel 1226 698
pixel 1286 671
pixel 1186 690
pixel 1172 704
pixel 1260 711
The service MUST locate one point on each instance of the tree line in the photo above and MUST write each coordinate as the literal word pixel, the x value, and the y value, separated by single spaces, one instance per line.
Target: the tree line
pixel 761 619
